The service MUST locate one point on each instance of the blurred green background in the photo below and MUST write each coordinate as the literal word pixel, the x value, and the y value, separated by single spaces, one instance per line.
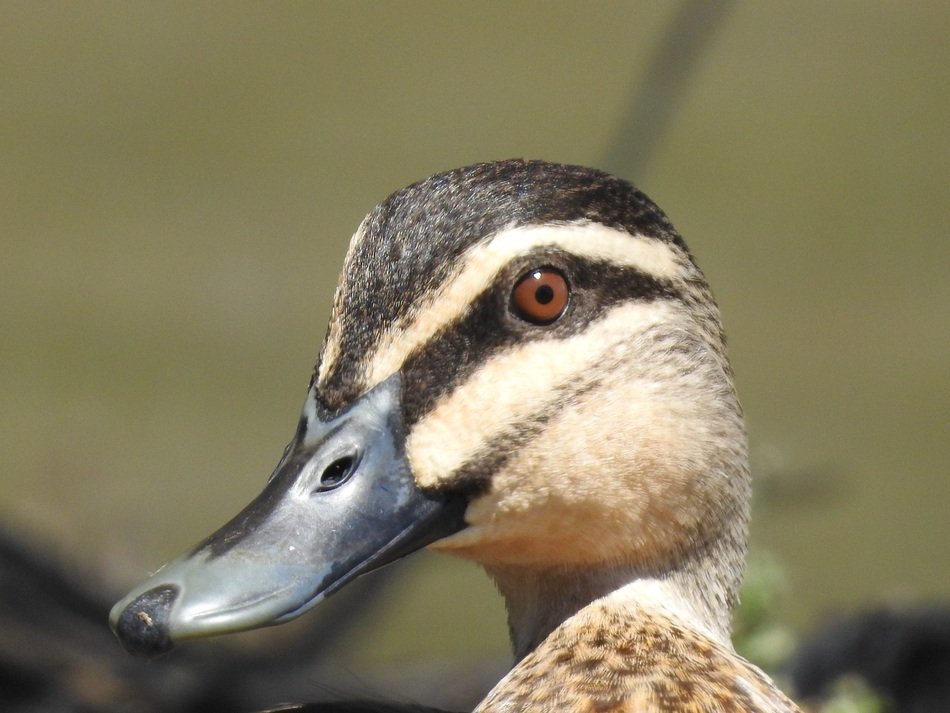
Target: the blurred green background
pixel 179 181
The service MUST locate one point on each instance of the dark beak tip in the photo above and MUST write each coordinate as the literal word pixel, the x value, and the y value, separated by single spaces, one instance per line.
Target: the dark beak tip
pixel 142 627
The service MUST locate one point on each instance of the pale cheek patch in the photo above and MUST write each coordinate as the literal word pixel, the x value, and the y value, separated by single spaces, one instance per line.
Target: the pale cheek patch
pixel 515 385
pixel 627 473
pixel 584 489
pixel 481 265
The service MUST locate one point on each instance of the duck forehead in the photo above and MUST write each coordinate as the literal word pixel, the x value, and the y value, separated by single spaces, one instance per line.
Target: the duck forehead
pixel 418 242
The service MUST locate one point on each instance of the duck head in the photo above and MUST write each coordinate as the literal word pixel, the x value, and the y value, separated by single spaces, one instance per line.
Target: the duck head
pixel 523 367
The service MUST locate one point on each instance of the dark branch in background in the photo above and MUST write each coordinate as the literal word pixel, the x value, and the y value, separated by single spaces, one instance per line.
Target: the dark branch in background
pixel 657 95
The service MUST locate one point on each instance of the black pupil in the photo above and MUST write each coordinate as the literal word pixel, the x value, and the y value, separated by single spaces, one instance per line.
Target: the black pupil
pixel 544 294
pixel 336 472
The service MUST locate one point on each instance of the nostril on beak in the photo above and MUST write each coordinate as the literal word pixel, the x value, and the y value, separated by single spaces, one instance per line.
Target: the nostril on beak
pixel 336 473
pixel 142 627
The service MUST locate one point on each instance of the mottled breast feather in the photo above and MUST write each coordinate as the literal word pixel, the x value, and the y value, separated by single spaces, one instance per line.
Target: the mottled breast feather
pixel 633 662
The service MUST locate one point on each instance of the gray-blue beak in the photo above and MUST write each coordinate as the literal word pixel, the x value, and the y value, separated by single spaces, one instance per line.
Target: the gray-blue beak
pixel 341 502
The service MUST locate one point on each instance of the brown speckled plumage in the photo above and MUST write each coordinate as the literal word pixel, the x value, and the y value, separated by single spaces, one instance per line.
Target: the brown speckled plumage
pixel 604 660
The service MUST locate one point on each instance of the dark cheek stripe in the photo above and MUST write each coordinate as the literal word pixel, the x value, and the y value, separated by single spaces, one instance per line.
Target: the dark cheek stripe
pixel 488 327
pixel 474 477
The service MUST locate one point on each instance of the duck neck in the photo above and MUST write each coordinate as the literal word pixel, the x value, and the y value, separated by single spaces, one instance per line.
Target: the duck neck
pixel 699 593
pixel 539 600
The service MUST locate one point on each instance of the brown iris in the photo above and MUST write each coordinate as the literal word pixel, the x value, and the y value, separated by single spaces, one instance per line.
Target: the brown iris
pixel 541 296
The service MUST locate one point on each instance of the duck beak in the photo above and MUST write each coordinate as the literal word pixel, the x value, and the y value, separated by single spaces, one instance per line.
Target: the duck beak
pixel 341 502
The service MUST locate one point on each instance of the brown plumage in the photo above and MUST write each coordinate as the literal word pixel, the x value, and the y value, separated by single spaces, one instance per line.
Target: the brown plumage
pixel 606 660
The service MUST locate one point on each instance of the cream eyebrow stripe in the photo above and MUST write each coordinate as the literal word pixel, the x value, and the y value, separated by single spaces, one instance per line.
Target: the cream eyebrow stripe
pixel 481 264
pixel 516 383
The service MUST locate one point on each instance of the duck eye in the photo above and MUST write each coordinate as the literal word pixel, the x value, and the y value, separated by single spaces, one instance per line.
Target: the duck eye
pixel 540 296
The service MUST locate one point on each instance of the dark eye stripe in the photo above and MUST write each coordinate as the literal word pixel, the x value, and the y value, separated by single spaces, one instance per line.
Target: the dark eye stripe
pixel 414 239
pixel 488 327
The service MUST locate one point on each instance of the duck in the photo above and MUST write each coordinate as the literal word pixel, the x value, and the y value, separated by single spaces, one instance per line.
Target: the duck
pixel 524 367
